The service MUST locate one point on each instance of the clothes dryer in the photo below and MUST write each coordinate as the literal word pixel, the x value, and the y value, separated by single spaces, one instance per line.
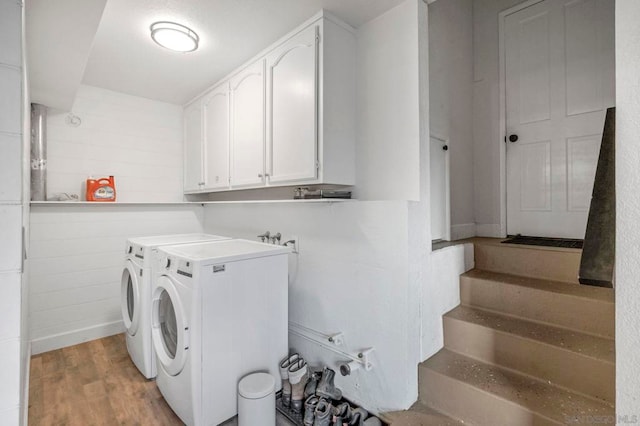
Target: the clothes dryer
pixel 219 313
pixel 136 294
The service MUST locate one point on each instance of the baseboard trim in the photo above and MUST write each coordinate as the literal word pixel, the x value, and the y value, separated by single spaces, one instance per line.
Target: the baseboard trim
pixel 492 230
pixel 62 340
pixel 462 231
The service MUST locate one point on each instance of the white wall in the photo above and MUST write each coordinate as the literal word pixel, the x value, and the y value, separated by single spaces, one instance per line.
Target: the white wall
pixel 627 207
pixel 451 102
pixel 25 363
pixel 11 134
pixel 351 275
pixel 362 264
pixel 442 292
pixel 387 149
pixel 76 256
pixel 137 140
pixel 486 115
pixel 420 212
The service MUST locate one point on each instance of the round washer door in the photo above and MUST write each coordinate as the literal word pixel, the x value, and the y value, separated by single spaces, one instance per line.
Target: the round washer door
pixel 130 297
pixel 170 331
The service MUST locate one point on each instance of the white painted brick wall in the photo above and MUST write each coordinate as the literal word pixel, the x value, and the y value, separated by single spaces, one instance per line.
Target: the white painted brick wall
pixel 10 208
pixel 76 260
pixel 137 140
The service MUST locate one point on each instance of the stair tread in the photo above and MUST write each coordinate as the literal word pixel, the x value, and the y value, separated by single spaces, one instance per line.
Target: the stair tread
pixel 589 292
pixel 537 396
pixel 419 415
pixel 585 344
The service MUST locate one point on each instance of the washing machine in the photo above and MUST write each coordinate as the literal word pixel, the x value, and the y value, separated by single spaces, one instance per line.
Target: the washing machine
pixel 219 313
pixel 136 294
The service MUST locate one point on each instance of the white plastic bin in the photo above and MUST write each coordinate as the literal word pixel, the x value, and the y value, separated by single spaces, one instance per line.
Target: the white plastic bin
pixel 257 400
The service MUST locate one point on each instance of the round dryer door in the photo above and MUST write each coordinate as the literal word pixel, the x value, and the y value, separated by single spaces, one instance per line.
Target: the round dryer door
pixel 170 331
pixel 130 297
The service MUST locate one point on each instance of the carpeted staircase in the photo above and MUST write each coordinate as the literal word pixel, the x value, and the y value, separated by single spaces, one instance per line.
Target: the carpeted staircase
pixel 527 346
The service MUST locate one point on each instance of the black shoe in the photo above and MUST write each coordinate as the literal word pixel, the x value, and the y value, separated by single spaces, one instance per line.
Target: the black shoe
pixel 358 416
pixel 322 413
pixel 326 388
pixel 309 410
pixel 312 384
pixel 341 413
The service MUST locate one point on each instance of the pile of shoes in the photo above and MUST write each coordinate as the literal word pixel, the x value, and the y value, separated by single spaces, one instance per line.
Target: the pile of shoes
pixel 323 402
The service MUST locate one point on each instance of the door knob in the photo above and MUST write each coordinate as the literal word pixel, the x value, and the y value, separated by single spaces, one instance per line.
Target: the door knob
pixel 513 138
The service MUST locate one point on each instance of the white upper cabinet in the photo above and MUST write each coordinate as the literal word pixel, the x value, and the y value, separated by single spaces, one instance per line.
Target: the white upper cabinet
pixel 248 127
pixel 293 96
pixel 193 177
pixel 215 107
pixel 287 117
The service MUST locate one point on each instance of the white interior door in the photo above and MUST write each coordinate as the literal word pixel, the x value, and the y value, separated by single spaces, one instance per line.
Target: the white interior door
pixel 560 78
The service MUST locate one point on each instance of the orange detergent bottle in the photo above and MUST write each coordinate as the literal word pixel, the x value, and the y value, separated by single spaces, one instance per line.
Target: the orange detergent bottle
pixel 103 189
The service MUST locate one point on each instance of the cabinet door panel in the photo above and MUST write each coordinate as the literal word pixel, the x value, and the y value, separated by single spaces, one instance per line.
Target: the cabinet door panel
pixel 247 127
pixel 293 72
pixel 216 131
pixel 193 147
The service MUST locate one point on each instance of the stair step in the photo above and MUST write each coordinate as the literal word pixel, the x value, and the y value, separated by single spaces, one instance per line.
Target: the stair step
pixel 551 263
pixel 573 360
pixel 585 309
pixel 419 415
pixel 484 394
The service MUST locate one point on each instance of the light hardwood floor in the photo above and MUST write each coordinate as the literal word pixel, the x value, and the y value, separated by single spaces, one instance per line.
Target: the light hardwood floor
pixel 94 383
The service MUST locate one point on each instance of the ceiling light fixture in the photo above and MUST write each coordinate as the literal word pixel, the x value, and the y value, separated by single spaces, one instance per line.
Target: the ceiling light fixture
pixel 174 36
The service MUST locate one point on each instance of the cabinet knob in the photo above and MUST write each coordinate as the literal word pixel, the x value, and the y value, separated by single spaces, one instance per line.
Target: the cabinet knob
pixel 260 175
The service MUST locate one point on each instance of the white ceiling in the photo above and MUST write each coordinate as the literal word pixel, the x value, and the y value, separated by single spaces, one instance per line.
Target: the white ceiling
pixel 125 59
pixel 59 35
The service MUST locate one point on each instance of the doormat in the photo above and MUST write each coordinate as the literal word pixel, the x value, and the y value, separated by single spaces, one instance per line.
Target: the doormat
pixel 542 241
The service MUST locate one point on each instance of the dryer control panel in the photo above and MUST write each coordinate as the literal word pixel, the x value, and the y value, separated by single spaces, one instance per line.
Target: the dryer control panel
pixel 185 268
pixel 138 251
pixel 162 262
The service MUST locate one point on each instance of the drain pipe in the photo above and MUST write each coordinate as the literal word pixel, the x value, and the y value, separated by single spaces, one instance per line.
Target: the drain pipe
pixel 38 152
